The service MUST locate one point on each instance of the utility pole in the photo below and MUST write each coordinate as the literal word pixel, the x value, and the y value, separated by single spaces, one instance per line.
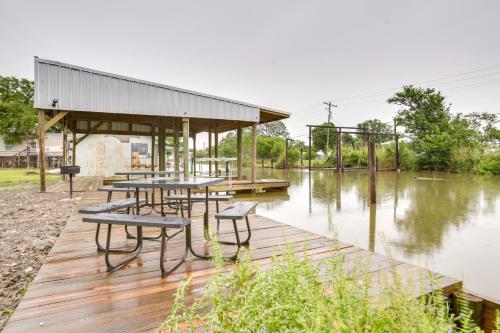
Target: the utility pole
pixel 329 104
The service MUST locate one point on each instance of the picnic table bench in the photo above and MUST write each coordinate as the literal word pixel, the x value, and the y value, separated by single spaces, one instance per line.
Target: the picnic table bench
pixel 237 211
pixel 140 221
pixel 181 198
pixel 108 207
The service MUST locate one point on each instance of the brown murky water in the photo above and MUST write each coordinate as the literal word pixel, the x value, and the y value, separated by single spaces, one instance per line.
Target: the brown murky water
pixel 451 226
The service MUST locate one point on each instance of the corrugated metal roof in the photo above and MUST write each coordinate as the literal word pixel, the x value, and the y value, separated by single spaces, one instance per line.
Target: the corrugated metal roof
pixel 82 89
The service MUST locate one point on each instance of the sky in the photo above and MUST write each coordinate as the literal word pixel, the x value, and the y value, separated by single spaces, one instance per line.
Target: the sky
pixel 287 55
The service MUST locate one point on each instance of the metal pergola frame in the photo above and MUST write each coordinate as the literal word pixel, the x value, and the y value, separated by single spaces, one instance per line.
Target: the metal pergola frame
pixel 339 130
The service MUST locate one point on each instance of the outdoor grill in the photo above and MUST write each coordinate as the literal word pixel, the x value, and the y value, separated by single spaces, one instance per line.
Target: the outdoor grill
pixel 70 170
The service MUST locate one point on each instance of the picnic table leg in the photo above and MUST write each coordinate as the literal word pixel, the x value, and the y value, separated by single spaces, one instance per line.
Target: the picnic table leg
pixel 189 237
pixel 110 267
pixel 238 242
pixel 205 216
pixel 165 272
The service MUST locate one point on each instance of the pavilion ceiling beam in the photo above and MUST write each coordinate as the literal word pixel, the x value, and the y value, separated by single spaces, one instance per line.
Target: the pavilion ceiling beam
pixel 54 120
pixel 90 131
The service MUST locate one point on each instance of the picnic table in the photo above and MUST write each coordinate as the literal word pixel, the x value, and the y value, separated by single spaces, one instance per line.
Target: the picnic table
pixel 147 173
pixel 175 184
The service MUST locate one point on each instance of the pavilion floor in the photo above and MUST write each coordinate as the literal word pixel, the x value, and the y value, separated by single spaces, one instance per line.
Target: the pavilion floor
pixel 73 292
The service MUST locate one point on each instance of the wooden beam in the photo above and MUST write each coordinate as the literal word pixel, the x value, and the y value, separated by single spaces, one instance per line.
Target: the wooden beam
pixel 210 151
pixel 153 140
pixel 254 152
pixel 185 145
pixel 60 115
pixel 73 150
pixel 90 131
pixel 371 171
pixel 216 150
pixel 161 146
pixel 65 145
pixel 239 151
pixel 176 145
pixel 194 155
pixel 41 148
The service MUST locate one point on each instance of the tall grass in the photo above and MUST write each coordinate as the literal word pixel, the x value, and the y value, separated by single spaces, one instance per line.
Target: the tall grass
pixel 297 294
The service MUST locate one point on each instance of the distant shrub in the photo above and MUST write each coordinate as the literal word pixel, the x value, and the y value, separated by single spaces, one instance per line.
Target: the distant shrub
pixel 489 165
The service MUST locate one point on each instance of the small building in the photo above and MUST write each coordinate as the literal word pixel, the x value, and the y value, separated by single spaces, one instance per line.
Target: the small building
pixel 25 154
pixel 89 101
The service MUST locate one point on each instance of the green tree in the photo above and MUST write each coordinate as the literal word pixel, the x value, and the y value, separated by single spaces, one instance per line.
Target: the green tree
pixel 348 139
pixel 422 111
pixel 275 128
pixel 18 118
pixel 485 124
pixel 319 137
pixel 375 126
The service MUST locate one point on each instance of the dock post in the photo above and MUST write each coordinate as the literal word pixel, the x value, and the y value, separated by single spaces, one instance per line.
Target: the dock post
pixel 216 151
pixel 153 141
pixel 176 145
pixel 371 171
pixel 309 155
pixel 41 148
pixel 161 146
pixel 337 146
pixel 254 152
pixel 210 152
pixel 73 145
pixel 193 164
pixel 185 145
pixel 64 160
pixel 239 151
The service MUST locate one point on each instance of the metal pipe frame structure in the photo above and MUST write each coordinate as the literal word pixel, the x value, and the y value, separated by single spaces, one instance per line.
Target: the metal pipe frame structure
pixel 339 130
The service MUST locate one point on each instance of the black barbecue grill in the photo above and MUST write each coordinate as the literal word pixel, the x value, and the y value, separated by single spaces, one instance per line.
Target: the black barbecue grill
pixel 70 170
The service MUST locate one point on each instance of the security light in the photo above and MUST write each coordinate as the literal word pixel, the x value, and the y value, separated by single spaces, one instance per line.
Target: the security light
pixel 54 102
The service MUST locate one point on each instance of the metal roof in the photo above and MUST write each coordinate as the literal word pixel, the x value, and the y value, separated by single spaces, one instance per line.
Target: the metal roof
pixel 83 89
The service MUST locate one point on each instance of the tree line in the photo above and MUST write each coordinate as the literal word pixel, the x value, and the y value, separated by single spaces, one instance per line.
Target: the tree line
pixel 436 139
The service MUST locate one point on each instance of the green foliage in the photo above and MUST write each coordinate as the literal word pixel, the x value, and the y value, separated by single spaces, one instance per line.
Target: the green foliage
pixel 422 111
pixel 18 118
pixel 17 122
pixel 489 165
pixel 297 294
pixel 275 128
pixel 375 126
pixel 320 135
pixel 18 91
pixel 355 158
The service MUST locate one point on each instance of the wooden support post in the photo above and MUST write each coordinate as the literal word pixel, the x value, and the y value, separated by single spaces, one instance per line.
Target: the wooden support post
pixel 41 148
pixel 161 146
pixel 239 151
pixel 338 201
pixel 193 163
pixel 64 160
pixel 216 150
pixel 73 145
pixel 176 145
pixel 286 154
pixel 153 141
pixel 337 147
pixel 397 152
pixel 254 153
pixel 210 152
pixel 371 171
pixel 185 145
pixel 373 228
pixel 309 155
pixel 464 302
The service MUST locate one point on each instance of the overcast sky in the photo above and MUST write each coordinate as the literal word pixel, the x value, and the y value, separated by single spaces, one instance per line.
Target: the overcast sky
pixel 288 55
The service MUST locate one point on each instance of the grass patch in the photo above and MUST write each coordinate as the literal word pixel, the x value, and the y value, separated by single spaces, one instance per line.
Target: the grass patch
pixel 298 294
pixel 14 178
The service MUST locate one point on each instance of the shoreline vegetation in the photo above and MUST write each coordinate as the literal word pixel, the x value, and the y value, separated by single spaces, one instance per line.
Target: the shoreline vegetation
pixel 297 294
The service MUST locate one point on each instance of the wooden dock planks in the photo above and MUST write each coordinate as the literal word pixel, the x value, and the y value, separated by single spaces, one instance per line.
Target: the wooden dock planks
pixel 73 292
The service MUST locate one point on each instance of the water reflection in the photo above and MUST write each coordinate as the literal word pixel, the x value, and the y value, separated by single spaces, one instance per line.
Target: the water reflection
pixel 451 226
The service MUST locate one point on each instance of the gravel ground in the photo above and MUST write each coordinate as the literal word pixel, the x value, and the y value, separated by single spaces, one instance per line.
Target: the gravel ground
pixel 30 223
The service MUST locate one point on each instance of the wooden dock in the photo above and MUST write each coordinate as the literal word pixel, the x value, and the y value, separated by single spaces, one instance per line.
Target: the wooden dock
pixel 72 292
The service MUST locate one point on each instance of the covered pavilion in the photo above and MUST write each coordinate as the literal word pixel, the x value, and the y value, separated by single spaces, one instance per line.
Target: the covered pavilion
pixel 89 101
